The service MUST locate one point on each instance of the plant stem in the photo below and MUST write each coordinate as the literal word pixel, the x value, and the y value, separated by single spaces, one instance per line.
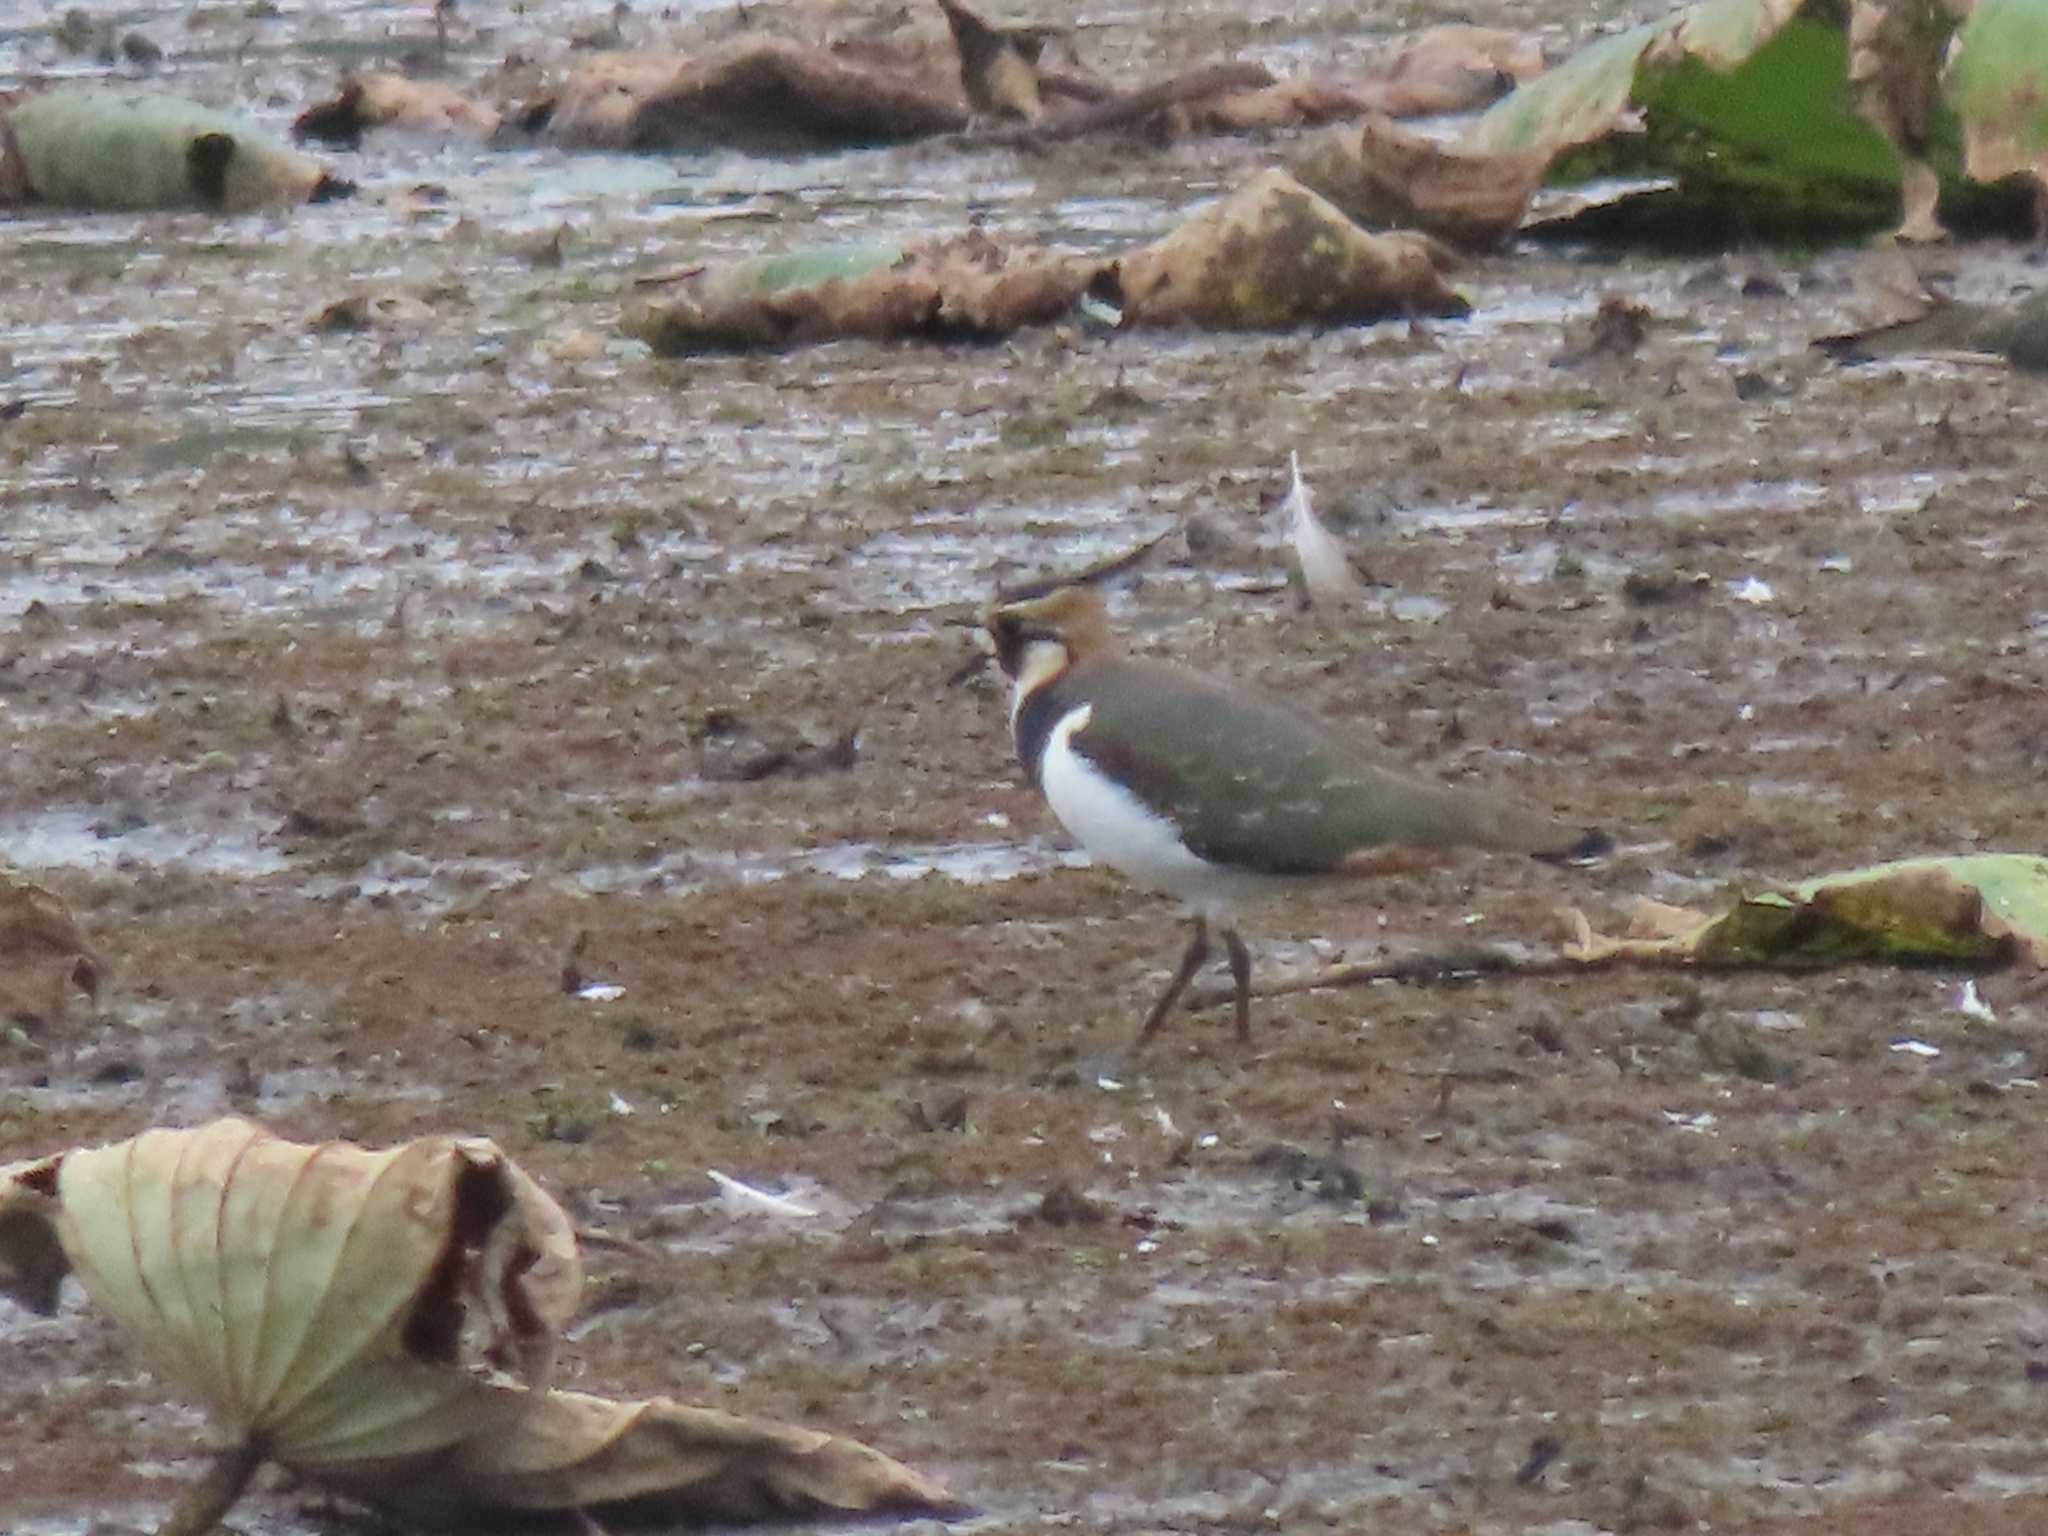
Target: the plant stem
pixel 214 1494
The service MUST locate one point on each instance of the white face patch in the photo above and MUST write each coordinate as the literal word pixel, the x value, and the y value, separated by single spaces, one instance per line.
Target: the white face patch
pixel 1120 830
pixel 1042 661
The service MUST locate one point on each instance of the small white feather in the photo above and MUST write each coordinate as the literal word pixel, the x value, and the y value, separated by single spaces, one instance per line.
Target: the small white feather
pixel 1325 569
pixel 745 1194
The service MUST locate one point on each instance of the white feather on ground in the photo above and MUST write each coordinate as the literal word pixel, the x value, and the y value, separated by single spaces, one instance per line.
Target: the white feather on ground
pixel 746 1196
pixel 1325 569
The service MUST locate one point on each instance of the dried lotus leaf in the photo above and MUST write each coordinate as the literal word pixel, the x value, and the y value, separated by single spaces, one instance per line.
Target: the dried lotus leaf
pixel 32 1262
pixel 407 1393
pixel 42 953
pixel 659 1462
pixel 254 1202
pixel 80 144
pixel 1982 909
pixel 383 1323
pixel 337 1304
pixel 1272 255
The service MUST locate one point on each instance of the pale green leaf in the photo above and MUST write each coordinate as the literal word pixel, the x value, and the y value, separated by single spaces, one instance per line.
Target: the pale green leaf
pixel 90 146
pixel 1997 82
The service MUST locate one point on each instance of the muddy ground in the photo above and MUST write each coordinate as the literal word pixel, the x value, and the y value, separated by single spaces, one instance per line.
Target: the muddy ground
pixel 346 679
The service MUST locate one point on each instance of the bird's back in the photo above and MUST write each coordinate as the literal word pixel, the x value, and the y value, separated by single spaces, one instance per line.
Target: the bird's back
pixel 1255 785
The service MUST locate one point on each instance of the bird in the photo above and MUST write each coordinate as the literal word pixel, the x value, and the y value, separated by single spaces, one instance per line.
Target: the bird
pixel 1216 793
pixel 998 64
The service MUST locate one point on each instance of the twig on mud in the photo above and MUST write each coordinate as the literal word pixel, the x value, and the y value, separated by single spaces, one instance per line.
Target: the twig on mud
pixel 596 1238
pixel 1209 80
pixel 1455 967
pixel 1445 968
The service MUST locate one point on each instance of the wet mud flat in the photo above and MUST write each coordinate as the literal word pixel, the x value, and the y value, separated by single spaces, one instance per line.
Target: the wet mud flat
pixel 347 679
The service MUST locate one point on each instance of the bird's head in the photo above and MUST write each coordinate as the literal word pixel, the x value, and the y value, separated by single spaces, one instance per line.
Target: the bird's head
pixel 1035 639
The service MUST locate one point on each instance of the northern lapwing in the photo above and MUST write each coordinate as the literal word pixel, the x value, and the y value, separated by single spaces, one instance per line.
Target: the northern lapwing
pixel 1215 793
pixel 998 64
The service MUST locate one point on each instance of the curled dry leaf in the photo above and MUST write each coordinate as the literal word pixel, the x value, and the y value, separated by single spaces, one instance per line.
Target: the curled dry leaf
pixel 43 956
pixel 759 92
pixel 88 146
pixel 1282 104
pixel 594 107
pixel 1799 114
pixel 656 1463
pixel 1983 909
pixel 1270 255
pixel 1273 254
pixel 336 1305
pixel 778 93
pixel 1994 83
pixel 384 1323
pixel 1384 175
pixel 371 311
pixel 1896 50
pixel 970 286
pixel 1456 67
pixel 384 99
pixel 1451 68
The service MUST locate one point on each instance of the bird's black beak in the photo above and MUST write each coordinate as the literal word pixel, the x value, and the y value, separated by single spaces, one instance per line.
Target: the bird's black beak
pixel 969 669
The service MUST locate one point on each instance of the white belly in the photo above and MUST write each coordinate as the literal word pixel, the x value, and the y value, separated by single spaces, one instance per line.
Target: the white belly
pixel 1117 828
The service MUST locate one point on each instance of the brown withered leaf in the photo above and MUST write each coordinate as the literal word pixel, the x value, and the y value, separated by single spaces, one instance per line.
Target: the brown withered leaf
pixel 383 1323
pixel 1276 104
pixel 1270 255
pixel 1896 48
pixel 594 106
pixel 968 286
pixel 15 183
pixel 1456 67
pixel 1384 175
pixel 331 1307
pixel 776 93
pixel 1273 254
pixel 43 956
pixel 657 1463
pixel 386 99
pixel 1977 909
pixel 370 311
pixel 750 92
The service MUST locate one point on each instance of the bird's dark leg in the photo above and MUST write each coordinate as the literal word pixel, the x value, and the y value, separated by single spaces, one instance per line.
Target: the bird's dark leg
pixel 1197 952
pixel 1241 973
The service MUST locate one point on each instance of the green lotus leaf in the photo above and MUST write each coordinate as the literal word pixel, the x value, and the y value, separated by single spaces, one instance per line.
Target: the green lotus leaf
pixel 93 146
